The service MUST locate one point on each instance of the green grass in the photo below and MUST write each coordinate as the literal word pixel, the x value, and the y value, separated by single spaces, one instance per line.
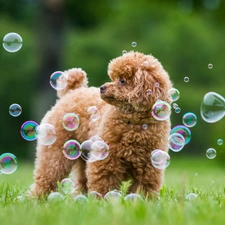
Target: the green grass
pixel 201 176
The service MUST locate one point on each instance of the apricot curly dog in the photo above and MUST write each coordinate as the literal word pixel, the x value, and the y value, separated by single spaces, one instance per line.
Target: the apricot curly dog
pixel 125 104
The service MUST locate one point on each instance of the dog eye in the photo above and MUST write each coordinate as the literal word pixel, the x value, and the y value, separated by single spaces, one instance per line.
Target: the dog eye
pixel 122 81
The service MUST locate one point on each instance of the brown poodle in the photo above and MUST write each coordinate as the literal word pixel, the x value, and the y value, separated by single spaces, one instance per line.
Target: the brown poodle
pixel 125 103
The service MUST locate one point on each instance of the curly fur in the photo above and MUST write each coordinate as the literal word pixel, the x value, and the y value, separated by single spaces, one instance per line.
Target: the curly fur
pixel 125 105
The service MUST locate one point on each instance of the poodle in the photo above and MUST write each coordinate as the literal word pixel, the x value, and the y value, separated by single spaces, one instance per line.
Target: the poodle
pixel 125 104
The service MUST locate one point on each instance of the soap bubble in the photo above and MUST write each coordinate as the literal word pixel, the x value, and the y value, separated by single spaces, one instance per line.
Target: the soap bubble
pixel 149 92
pixel 191 196
pixel 46 134
pixel 15 110
pixel 176 142
pixel 189 119
pixel 211 153
pixel 124 52
pixel 12 42
pixel 58 80
pixel 55 197
pixel 175 105
pixel 134 44
pixel 160 159
pixel 8 163
pixel 28 130
pixel 113 195
pixel 20 198
pixel 213 107
pixel 157 84
pixel 80 199
pixel 68 186
pixel 144 126
pixel 184 131
pixel 86 149
pixel 72 149
pixel 177 109
pixel 71 121
pixel 94 113
pixel 174 93
pixel 96 138
pixel 133 197
pixel 161 110
pixel 220 141
pixel 210 65
pixel 186 79
pixel 99 151
pixel 94 195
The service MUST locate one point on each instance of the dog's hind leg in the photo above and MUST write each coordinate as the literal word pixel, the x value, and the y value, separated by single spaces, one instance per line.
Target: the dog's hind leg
pixel 51 166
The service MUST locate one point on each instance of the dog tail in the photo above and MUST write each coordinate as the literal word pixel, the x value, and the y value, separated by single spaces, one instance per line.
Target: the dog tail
pixel 76 78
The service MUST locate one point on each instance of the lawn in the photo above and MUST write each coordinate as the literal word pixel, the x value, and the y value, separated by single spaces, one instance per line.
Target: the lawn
pixel 201 176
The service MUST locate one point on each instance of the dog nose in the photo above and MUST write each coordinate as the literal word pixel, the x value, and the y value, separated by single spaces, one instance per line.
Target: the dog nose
pixel 102 88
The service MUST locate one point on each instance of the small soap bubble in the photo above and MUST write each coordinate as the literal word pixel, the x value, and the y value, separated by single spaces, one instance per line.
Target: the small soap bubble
pixel 8 163
pixel 177 109
pixel 80 199
pixel 94 113
pixel 124 52
pixel 99 151
pixel 12 42
pixel 191 196
pixel 186 79
pixel 146 63
pixel 161 110
pixel 94 195
pixel 184 131
pixel 189 119
pixel 134 44
pixel 196 174
pixel 210 66
pixel 175 105
pixel 86 149
pixel 96 138
pixel 160 159
pixel 211 153
pixel 149 92
pixel 176 142
pixel 72 149
pixel 46 134
pixel 174 93
pixel 55 197
pixel 220 141
pixel 144 126
pixel 20 198
pixel 133 197
pixel 70 121
pixel 68 186
pixel 157 84
pixel 15 110
pixel 58 80
pixel 28 130
pixel 113 195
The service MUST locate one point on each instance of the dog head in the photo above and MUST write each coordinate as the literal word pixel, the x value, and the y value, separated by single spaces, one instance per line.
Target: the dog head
pixel 138 81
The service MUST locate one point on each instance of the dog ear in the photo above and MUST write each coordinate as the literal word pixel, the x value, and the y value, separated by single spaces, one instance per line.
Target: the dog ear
pixel 147 90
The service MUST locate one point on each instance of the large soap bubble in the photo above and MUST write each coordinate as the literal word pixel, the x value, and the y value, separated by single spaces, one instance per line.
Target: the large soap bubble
pixel 212 107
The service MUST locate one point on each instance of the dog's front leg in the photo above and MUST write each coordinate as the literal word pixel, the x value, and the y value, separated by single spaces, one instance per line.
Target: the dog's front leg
pixel 147 180
pixel 104 175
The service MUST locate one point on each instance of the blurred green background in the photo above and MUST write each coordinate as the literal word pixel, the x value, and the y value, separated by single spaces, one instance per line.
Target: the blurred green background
pixel 185 35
